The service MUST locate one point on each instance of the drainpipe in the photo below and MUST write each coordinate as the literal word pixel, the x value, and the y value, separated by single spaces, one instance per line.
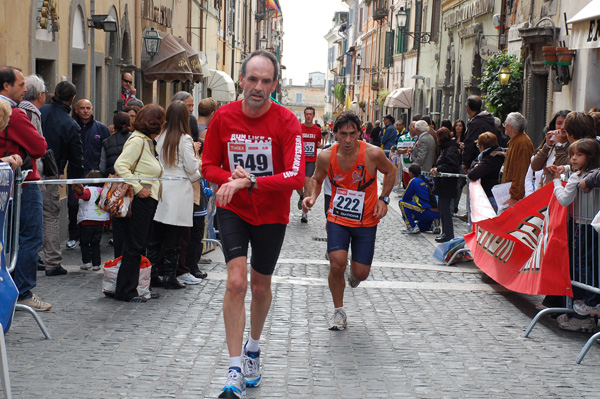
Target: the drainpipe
pixel 93 58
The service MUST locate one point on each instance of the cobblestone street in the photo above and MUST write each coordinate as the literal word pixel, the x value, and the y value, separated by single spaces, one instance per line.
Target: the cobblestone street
pixel 416 329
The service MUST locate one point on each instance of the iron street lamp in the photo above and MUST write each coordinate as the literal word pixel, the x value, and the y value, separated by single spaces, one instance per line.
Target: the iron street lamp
pixel 263 43
pixel 504 75
pixel 102 21
pixel 152 41
pixel 358 62
pixel 401 18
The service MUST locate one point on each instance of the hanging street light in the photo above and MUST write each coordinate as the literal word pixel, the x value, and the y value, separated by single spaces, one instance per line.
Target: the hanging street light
pixel 504 75
pixel 152 41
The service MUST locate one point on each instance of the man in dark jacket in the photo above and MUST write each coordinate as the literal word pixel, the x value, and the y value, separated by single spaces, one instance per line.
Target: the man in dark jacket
pixel 376 134
pixel 481 122
pixel 389 137
pixel 63 137
pixel 92 133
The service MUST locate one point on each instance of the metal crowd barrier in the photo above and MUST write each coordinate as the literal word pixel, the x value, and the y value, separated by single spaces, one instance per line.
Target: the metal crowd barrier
pixel 584 245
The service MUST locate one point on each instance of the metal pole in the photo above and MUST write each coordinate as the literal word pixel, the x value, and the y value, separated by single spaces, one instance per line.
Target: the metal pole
pixel 93 58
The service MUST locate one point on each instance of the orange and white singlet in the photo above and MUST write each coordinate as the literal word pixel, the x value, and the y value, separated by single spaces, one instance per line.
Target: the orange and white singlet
pixel 353 192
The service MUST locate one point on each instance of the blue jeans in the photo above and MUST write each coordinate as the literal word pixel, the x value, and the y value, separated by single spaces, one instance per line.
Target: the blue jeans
pixel 31 237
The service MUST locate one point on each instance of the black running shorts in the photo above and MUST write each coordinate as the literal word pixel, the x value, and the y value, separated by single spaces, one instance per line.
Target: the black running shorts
pixel 266 240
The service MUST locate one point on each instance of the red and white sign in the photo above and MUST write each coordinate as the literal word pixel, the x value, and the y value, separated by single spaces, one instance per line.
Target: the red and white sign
pixel 525 248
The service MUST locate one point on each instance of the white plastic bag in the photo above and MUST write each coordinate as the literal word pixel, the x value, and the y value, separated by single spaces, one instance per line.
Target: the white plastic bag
pixel 111 270
pixel 596 222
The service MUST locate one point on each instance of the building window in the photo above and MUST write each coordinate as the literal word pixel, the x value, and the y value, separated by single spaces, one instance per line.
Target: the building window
pixel 435 20
pixel 299 98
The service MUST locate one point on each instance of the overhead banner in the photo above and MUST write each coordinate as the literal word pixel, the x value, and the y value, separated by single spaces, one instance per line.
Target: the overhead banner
pixel 525 248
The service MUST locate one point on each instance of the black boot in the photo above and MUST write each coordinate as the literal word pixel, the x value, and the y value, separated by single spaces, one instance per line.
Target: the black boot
pixel 171 260
pixel 153 254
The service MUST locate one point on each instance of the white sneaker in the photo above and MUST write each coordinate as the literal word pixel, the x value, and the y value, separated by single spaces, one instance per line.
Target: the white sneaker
pixel 86 266
pixel 573 324
pixel 71 244
pixel 96 268
pixel 584 310
pixel 411 230
pixel 338 322
pixel 188 279
pixel 353 281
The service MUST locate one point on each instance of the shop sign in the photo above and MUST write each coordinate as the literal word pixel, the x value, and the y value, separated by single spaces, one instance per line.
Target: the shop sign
pixel 469 31
pixel 467 12
pixel 162 15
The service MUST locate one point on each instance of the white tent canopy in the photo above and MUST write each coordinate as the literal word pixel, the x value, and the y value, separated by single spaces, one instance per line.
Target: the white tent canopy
pixel 585 31
pixel 400 98
pixel 221 86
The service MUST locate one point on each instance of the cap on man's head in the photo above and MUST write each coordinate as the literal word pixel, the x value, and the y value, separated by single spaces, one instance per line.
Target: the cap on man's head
pixel 390 118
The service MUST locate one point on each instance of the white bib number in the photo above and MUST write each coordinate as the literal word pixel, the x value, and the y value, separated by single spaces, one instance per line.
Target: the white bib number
pixel 309 149
pixel 348 204
pixel 255 158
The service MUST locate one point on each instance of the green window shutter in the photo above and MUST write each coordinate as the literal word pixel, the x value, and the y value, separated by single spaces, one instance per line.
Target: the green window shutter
pixel 418 22
pixel 403 37
pixel 389 49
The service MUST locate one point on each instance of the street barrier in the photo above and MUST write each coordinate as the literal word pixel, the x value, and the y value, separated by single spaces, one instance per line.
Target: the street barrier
pixel 584 258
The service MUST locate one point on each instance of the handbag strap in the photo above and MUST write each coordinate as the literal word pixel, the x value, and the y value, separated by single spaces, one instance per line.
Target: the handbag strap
pixel 141 153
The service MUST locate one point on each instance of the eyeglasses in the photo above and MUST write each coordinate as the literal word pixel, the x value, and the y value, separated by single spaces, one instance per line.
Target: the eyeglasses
pixel 128 81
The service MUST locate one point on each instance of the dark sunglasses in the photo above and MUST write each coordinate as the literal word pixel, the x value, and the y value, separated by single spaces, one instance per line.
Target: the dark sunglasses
pixel 128 81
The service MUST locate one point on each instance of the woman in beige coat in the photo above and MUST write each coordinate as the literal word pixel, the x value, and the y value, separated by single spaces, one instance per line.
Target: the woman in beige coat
pixel 175 149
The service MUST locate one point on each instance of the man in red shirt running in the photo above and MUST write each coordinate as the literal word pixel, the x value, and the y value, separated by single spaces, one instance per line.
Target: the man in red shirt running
pixel 253 151
pixel 355 209
pixel 311 138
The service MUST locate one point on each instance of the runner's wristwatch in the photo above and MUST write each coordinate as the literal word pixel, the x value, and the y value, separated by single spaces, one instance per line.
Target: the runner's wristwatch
pixel 385 199
pixel 252 179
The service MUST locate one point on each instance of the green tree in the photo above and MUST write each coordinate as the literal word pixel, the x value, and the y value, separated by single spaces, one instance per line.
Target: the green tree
pixel 340 92
pixel 501 100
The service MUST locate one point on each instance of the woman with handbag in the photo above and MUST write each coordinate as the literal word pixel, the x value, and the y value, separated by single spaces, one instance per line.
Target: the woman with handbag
pixel 138 160
pixel 175 148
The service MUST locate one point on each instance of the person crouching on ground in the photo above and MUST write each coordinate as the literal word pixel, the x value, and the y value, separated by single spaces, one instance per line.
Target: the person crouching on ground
pixel 91 221
pixel 416 205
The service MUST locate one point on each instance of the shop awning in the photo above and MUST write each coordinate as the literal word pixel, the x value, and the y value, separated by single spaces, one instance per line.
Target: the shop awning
pixel 585 32
pixel 171 62
pixel 221 86
pixel 194 61
pixel 400 98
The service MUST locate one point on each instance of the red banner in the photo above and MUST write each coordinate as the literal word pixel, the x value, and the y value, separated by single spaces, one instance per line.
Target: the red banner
pixel 525 248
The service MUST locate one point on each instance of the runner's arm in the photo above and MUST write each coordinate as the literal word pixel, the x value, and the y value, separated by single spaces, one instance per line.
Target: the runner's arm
pixel 316 181
pixel 389 171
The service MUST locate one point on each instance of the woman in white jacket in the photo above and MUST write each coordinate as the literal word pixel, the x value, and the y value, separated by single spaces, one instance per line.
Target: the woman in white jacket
pixel 175 148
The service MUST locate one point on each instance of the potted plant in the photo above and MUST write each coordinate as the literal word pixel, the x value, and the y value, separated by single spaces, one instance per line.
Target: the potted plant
pixel 565 57
pixel 550 56
pixel 362 104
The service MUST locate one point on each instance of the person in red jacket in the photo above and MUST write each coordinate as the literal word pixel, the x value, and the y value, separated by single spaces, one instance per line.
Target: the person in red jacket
pixel 22 138
pixel 311 138
pixel 253 151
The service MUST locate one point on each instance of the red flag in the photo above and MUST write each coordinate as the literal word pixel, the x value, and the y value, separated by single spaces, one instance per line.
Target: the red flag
pixel 525 248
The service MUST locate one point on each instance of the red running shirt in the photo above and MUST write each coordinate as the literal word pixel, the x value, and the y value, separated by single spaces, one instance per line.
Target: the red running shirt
pixel 353 192
pixel 270 147
pixel 311 137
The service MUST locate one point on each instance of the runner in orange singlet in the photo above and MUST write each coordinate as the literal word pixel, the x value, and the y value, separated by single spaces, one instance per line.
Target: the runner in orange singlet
pixel 355 208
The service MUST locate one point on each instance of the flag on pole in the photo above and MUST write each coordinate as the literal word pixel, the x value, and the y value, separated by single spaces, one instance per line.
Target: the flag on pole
pixel 274 4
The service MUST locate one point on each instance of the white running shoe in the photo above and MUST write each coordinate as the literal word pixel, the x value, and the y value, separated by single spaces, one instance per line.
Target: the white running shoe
pixel 188 279
pixel 584 310
pixel 251 367
pixel 411 230
pixel 338 322
pixel 235 385
pixel 86 266
pixel 353 281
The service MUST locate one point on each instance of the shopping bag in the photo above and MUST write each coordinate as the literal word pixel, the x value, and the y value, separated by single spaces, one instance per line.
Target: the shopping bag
pixel 111 270
pixel 116 198
pixel 596 222
pixel 444 251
